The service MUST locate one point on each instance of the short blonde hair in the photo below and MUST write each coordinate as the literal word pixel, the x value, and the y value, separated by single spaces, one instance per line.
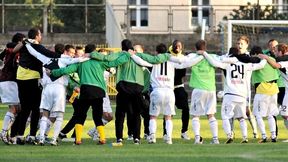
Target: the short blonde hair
pixel 244 37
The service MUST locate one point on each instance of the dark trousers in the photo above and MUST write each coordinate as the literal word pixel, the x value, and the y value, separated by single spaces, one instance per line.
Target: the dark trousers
pixel 144 112
pixel 71 123
pixel 30 96
pixel 128 102
pixel 181 102
pixel 97 111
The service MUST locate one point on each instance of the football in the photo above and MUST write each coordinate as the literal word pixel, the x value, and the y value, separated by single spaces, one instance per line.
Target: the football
pixel 220 94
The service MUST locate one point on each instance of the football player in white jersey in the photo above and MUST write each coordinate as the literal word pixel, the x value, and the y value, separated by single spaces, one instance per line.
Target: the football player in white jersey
pixel 281 49
pixel 162 96
pixel 236 91
pixel 53 99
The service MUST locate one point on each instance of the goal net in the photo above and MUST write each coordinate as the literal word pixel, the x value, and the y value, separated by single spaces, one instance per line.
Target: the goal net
pixel 259 32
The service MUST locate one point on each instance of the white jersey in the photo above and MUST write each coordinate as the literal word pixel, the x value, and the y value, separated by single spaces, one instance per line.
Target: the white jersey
pixel 284 64
pixel 237 79
pixel 162 75
pixel 63 61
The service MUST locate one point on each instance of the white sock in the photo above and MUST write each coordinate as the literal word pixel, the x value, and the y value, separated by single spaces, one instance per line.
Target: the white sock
pixel 104 121
pixel 57 127
pixel 169 127
pixel 253 123
pixel 243 127
pixel 43 125
pixel 261 126
pixel 231 121
pixel 92 130
pixel 272 126
pixel 152 126
pixel 48 127
pixel 196 126
pixel 214 127
pixel 227 127
pixel 8 120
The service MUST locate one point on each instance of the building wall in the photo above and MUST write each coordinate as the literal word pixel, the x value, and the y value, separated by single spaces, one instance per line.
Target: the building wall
pixel 171 16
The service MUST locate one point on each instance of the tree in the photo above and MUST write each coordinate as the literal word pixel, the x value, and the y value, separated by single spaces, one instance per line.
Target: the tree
pixel 255 12
pixel 63 18
pixel 73 18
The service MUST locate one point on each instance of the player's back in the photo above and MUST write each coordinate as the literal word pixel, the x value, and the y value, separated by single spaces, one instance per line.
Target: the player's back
pixel 238 79
pixel 162 75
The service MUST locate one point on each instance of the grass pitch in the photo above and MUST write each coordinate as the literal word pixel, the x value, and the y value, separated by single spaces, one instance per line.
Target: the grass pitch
pixel 180 150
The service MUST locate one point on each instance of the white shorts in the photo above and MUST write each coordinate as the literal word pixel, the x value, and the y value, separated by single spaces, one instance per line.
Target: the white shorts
pixel 203 102
pixel 9 92
pixel 162 100
pixel 53 97
pixel 283 108
pixel 265 105
pixel 56 114
pixel 233 109
pixel 106 104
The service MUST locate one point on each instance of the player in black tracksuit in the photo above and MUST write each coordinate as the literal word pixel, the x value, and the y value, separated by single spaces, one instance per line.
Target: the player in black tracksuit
pixel 181 96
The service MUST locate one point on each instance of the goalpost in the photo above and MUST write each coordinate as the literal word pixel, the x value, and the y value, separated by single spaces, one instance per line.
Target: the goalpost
pixel 258 31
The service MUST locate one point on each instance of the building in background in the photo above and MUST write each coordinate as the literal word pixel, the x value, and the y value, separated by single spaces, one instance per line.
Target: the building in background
pixel 181 16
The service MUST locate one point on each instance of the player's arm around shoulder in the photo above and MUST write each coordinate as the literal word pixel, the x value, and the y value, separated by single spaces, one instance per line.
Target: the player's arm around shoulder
pixel 214 61
pixel 154 59
pixel 111 57
pixel 66 70
pixel 190 60
pixel 258 66
pixel 123 58
pixel 138 60
pixel 271 61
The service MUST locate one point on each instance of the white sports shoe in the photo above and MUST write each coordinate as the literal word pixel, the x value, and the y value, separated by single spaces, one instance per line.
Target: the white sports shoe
pixel 95 137
pixel 130 138
pixel 91 132
pixel 198 140
pixel 165 137
pixel 13 140
pixel 215 141
pixel 152 139
pixel 146 136
pixel 3 136
pixel 54 143
pixel 41 141
pixel 185 136
pixel 169 140
pixel 68 140
pixel 285 140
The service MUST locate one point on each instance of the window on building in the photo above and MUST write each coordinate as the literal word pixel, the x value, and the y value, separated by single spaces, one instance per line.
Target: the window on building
pixel 203 2
pixel 285 7
pixel 132 2
pixel 200 10
pixel 138 13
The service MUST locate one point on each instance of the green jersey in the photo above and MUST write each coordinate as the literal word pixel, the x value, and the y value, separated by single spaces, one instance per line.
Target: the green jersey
pixel 130 71
pixel 203 76
pixel 268 73
pixel 91 72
